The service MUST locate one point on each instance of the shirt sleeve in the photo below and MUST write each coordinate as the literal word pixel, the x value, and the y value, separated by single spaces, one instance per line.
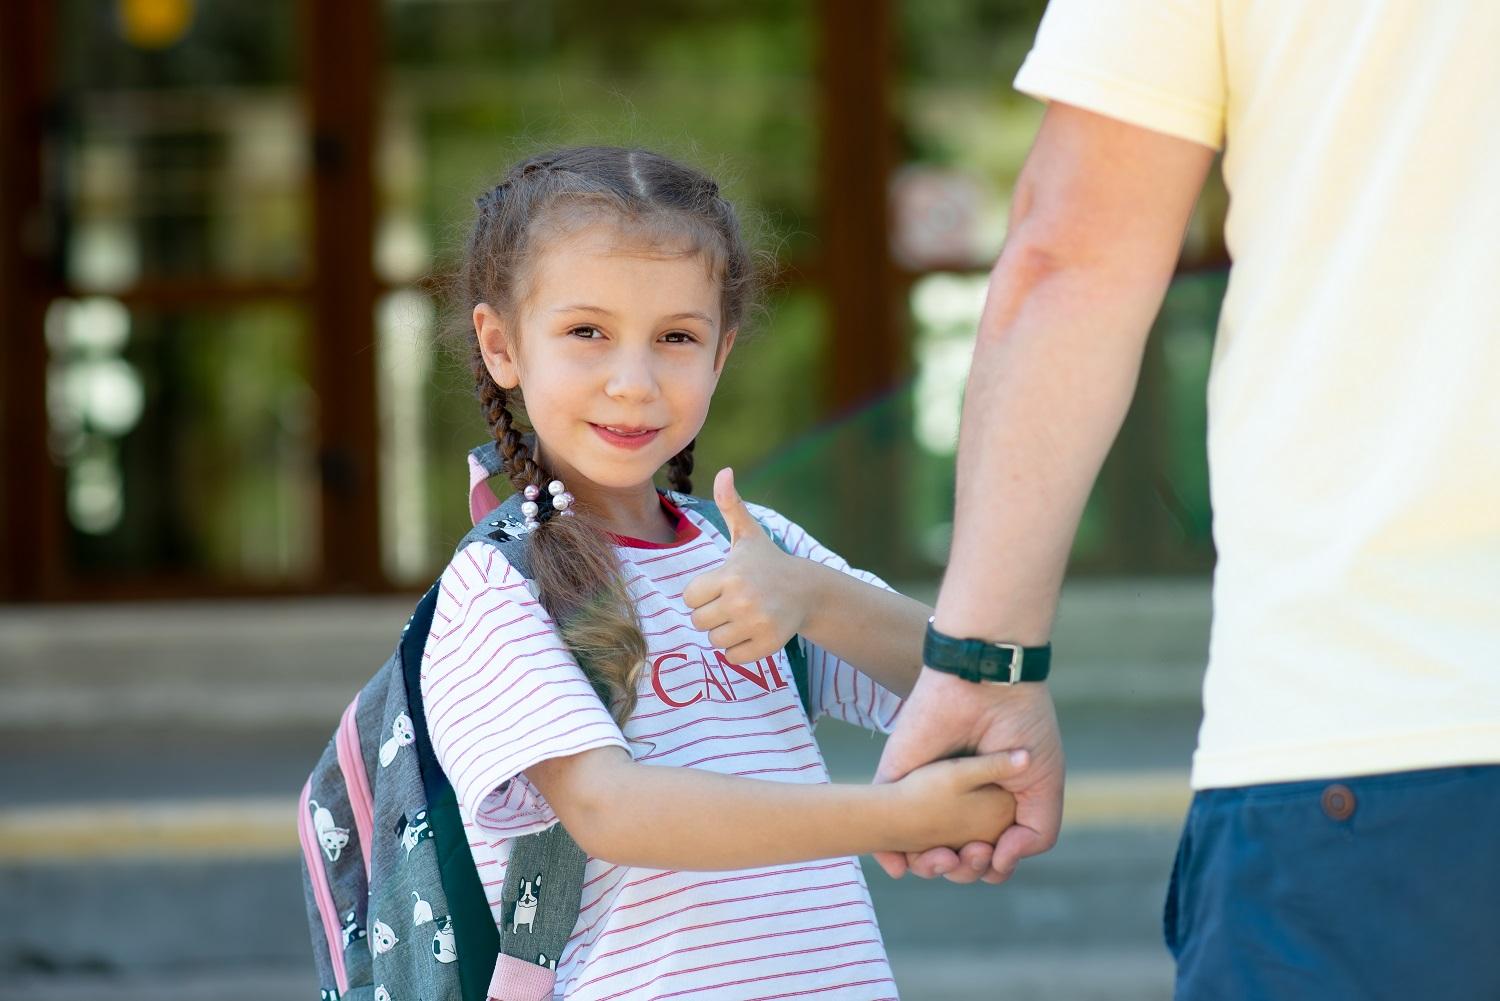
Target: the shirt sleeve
pixel 502 692
pixel 838 688
pixel 1158 64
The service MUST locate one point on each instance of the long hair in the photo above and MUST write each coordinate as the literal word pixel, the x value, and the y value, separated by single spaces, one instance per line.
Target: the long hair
pixel 659 201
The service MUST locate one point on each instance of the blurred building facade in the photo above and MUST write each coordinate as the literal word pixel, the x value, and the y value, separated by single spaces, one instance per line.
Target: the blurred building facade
pixel 227 358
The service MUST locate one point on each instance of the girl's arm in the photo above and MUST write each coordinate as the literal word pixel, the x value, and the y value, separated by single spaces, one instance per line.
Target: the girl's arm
pixel 881 631
pixel 762 596
pixel 663 817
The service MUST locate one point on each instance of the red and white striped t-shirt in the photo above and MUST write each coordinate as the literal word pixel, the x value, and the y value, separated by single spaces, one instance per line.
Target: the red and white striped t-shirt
pixel 502 693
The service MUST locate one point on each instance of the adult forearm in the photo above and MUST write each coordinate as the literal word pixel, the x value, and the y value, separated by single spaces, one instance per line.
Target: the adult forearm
pixel 1054 368
pixel 878 631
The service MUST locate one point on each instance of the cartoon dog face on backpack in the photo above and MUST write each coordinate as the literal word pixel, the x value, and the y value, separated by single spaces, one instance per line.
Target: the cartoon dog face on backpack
pixel 411 830
pixel 443 949
pixel 526 904
pixel 381 994
pixel 402 735
pixel 333 839
pixel 384 938
pixel 510 528
pixel 352 931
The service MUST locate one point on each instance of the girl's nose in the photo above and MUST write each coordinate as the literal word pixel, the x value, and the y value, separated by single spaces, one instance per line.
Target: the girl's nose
pixel 631 378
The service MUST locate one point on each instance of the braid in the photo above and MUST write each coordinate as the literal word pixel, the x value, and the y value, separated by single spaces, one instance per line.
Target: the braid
pixel 520 465
pixel 680 469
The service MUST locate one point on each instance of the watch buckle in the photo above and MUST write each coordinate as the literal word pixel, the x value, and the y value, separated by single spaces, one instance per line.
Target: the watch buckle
pixel 1017 658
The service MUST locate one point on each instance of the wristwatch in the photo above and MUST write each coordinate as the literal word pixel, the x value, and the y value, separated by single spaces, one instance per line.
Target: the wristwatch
pixel 982 660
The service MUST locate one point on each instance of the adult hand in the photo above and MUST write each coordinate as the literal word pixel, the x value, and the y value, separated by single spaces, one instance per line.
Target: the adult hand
pixel 946 716
pixel 755 602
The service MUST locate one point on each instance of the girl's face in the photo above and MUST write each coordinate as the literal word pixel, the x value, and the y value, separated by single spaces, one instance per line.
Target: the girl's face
pixel 617 350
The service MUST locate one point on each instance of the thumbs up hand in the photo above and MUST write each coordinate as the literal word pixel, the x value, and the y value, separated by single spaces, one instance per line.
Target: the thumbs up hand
pixel 754 603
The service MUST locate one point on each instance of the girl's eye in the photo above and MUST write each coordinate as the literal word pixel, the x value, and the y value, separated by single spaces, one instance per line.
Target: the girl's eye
pixel 587 333
pixel 679 337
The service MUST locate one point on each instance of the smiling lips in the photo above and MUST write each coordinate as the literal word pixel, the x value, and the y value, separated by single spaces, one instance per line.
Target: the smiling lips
pixel 625 437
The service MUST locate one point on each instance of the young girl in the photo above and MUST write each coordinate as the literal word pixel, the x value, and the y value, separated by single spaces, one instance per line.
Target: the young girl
pixel 637 690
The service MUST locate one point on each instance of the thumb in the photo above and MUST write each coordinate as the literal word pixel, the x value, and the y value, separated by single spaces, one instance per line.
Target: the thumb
pixel 992 769
pixel 742 524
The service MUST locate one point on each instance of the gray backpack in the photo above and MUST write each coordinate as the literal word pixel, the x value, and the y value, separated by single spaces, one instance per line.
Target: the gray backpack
pixel 396 908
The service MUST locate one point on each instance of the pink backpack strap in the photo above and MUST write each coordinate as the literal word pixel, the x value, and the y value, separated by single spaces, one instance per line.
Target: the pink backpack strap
pixel 352 764
pixel 482 499
pixel 517 980
pixel 312 856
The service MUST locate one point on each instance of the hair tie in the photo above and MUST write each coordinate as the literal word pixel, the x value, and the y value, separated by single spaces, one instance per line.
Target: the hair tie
pixel 535 514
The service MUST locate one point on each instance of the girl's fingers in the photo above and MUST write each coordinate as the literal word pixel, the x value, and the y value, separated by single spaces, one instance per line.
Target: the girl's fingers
pixel 747 652
pixel 703 589
pixel 727 636
pixel 711 616
pixel 991 769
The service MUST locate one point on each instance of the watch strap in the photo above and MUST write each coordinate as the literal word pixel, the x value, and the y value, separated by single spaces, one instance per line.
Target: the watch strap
pixel 982 660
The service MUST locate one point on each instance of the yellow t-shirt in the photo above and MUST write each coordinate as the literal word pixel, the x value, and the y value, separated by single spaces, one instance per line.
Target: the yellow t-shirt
pixel 1354 399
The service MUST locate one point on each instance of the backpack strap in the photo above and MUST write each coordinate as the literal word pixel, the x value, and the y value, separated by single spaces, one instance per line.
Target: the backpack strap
pixel 484 462
pixel 475 937
pixel 795 654
pixel 522 955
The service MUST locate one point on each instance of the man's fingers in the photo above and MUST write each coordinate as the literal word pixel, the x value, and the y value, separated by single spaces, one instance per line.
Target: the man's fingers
pixel 902 755
pixel 894 863
pixel 935 862
pixel 976 856
pixel 1016 843
pixel 742 524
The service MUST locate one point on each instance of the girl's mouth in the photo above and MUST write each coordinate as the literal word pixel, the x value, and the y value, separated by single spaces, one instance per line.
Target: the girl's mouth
pixel 624 437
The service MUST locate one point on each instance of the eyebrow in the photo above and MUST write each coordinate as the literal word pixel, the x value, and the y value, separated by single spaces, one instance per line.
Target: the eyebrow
pixel 581 308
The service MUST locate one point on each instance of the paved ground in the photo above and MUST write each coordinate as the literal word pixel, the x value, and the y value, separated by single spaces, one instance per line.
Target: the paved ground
pixel 152 754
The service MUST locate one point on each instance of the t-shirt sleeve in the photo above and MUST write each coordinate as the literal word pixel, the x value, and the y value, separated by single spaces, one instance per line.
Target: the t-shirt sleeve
pixel 837 688
pixel 502 692
pixel 1158 64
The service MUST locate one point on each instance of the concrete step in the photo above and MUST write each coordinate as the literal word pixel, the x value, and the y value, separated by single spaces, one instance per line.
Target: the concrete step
pixel 1098 893
pixel 1050 974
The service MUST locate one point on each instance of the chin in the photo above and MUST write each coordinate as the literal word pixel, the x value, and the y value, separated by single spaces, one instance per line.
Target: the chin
pixel 621 476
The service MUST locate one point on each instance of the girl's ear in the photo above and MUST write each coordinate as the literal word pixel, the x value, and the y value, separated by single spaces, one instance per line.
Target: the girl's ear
pixel 726 345
pixel 495 347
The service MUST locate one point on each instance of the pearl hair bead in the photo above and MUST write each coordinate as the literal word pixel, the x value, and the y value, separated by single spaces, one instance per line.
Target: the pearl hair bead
pixel 532 492
pixel 530 509
pixel 555 487
pixel 560 502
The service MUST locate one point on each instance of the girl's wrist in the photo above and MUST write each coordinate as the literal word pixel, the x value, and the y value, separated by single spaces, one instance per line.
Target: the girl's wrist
pixel 900 817
pixel 812 594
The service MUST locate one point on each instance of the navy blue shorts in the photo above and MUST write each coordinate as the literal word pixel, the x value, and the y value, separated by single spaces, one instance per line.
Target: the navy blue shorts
pixel 1382 886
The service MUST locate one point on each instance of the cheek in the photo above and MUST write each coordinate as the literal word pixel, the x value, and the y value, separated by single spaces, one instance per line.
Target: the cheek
pixel 699 394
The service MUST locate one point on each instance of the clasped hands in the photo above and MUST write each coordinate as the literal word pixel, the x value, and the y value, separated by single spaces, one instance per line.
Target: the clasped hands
pixel 762 596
